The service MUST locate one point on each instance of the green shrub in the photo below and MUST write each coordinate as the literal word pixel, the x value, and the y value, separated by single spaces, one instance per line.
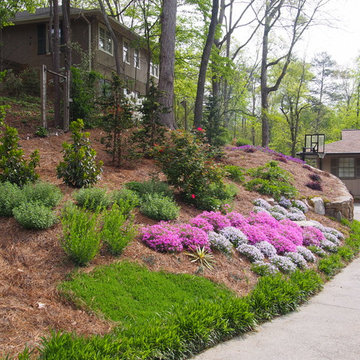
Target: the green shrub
pixel 159 207
pixel 126 199
pixel 186 162
pixel 34 215
pixel 117 231
pixel 42 132
pixel 330 265
pixel 235 173
pixel 150 187
pixel 80 240
pixel 242 142
pixel 92 198
pixel 83 94
pixel 266 187
pixel 44 193
pixel 10 197
pixel 79 168
pixel 13 165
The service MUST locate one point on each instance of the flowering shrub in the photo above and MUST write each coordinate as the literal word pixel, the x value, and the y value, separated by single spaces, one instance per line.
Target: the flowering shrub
pixel 257 209
pixel 234 235
pixel 284 202
pixel 219 242
pixel 236 219
pixel 306 253
pixel 192 237
pixel 251 252
pixel 333 231
pixel 314 185
pixel 317 250
pixel 278 209
pixel 300 205
pixel 328 245
pixel 318 225
pixel 283 263
pixel 215 218
pixel 278 216
pixel 297 259
pixel 262 203
pixel 266 248
pixel 161 237
pixel 332 238
pixel 201 223
pixel 312 236
pixel 263 268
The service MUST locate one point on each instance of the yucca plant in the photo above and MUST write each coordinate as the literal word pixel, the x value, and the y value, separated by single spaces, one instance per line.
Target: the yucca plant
pixel 202 256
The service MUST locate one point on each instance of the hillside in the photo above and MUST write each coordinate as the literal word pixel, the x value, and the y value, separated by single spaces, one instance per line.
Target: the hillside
pixel 32 262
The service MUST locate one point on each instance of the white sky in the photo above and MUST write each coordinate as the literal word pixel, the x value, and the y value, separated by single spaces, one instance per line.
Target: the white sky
pixel 342 41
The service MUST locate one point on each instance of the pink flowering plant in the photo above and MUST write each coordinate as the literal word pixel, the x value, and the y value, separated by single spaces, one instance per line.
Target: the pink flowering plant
pixel 312 236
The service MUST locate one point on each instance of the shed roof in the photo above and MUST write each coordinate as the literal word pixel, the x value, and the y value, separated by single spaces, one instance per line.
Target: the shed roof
pixel 349 144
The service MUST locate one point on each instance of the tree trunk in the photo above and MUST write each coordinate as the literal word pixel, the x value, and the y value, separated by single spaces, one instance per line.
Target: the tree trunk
pixel 113 36
pixel 199 101
pixel 56 64
pixel 67 34
pixel 167 62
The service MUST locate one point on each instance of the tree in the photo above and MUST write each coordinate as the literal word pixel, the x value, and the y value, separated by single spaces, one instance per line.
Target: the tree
pixel 9 8
pixel 296 15
pixel 167 62
pixel 204 64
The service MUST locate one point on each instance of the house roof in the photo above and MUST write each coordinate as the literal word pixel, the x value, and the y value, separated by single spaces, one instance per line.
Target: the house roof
pixel 349 143
pixel 43 14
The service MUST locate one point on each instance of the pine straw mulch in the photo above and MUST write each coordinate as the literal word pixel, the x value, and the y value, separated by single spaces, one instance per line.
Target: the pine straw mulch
pixel 32 263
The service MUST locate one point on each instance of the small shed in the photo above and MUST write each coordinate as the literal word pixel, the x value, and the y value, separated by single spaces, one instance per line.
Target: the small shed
pixel 342 158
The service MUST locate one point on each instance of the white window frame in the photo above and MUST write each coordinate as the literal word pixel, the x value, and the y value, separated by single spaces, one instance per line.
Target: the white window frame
pixel 107 37
pixel 137 58
pixel 154 70
pixel 126 52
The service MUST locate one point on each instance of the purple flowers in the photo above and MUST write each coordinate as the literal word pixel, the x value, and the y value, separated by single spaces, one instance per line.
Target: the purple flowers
pixel 214 218
pixel 312 236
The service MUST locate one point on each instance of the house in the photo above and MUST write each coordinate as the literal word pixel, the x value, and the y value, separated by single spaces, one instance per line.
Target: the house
pixel 342 158
pixel 26 43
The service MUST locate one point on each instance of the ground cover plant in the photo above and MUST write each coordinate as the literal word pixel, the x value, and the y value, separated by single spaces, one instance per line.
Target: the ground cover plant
pixel 197 319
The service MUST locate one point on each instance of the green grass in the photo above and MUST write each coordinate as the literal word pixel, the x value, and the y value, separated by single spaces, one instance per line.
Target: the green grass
pixel 127 292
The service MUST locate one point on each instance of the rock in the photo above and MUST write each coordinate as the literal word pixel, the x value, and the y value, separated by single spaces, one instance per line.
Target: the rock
pixel 341 207
pixel 319 207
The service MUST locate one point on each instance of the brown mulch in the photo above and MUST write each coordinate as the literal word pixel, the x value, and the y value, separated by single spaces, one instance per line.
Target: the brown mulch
pixel 32 263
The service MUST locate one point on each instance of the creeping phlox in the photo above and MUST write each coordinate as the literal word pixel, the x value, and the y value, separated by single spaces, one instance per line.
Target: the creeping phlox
pixel 259 236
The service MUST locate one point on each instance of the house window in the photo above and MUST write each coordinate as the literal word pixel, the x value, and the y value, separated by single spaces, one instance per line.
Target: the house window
pixel 105 40
pixel 345 168
pixel 154 70
pixel 126 52
pixel 137 58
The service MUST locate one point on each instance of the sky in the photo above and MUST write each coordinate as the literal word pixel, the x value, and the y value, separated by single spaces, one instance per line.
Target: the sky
pixel 342 40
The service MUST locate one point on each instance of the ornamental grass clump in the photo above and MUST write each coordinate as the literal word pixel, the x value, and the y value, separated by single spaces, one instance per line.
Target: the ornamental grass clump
pixel 81 238
pixel 251 252
pixel 117 230
pixel 220 243
pixel 234 235
pixel 266 248
pixel 34 215
pixel 283 263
